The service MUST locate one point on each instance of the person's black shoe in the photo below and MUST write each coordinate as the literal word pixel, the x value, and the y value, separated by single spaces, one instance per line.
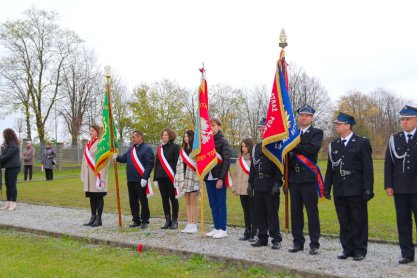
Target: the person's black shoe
pixel 313 251
pixel 253 238
pixel 134 225
pixel 245 235
pixel 144 225
pixel 342 256
pixel 174 224
pixel 97 222
pixel 406 260
pixel 167 222
pixel 295 249
pixel 259 243
pixel 276 245
pixel 358 258
pixel 91 221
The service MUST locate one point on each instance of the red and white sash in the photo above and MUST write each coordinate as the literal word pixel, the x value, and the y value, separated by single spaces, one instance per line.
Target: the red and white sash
pixel 228 181
pixel 187 160
pixel 244 165
pixel 141 170
pixel 167 168
pixel 92 163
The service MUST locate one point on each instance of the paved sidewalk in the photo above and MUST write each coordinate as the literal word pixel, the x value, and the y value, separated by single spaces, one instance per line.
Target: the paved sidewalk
pixel 381 261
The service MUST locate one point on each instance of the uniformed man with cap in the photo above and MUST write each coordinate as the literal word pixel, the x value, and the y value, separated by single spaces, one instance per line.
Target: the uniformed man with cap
pixel 264 182
pixel 401 179
pixel 303 181
pixel 350 171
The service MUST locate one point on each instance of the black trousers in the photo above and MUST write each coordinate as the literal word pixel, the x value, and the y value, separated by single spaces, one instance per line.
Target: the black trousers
pixel 137 194
pixel 248 205
pixel 405 204
pixel 168 194
pixel 28 170
pixel 49 174
pixel 266 215
pixel 10 178
pixel 304 195
pixel 352 213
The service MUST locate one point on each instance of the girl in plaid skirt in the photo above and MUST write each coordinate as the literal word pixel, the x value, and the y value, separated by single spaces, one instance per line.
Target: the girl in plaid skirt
pixel 187 181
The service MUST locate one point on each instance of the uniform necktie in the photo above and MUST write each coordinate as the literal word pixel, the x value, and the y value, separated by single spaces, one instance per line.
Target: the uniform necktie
pixel 409 136
pixel 344 142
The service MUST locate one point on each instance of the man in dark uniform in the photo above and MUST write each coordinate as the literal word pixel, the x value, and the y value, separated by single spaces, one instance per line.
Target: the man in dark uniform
pixel 303 182
pixel 401 179
pixel 265 180
pixel 350 171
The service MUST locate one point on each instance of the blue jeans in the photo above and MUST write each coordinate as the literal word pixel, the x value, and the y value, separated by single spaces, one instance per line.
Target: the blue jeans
pixel 217 200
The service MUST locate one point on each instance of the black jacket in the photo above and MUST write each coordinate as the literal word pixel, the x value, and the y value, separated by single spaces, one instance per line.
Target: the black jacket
pixel 401 173
pixel 10 155
pixel 145 156
pixel 355 157
pixel 263 172
pixel 309 147
pixel 171 153
pixel 223 148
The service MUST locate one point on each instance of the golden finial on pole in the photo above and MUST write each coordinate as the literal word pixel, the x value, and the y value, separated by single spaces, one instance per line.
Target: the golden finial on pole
pixel 283 39
pixel 108 72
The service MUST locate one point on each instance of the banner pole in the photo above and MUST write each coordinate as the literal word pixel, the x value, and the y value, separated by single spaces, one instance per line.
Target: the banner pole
pixel 202 206
pixel 286 194
pixel 116 173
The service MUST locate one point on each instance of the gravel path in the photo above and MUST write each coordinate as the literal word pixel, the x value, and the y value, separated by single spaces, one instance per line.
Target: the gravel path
pixel 381 261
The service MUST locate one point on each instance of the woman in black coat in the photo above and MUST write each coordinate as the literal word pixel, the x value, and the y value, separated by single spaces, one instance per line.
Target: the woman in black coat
pixel 165 168
pixel 10 159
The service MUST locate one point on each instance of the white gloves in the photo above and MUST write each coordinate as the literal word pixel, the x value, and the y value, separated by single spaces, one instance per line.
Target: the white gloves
pixel 115 156
pixel 143 182
pixel 155 183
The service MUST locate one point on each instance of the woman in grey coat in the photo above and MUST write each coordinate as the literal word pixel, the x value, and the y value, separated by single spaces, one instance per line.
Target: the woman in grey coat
pixel 48 161
pixel 10 160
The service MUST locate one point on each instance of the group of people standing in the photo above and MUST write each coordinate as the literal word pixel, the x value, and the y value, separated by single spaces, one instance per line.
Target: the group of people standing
pixel 12 162
pixel 257 180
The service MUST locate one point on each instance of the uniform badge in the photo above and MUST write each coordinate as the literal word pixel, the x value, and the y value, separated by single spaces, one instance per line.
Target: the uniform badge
pixel 336 152
pixel 353 140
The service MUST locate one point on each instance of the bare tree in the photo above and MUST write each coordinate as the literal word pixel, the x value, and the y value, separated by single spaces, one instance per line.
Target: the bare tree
pixel 37 49
pixel 256 107
pixel 304 89
pixel 80 87
pixel 15 85
pixel 18 126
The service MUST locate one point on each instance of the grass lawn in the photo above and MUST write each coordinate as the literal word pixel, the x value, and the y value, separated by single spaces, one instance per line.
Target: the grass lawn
pixel 25 255
pixel 68 191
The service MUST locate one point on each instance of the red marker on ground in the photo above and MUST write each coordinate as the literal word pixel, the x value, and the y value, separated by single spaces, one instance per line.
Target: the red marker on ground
pixel 140 246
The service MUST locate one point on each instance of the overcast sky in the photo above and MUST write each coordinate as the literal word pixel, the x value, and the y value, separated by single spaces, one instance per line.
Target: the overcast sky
pixel 359 45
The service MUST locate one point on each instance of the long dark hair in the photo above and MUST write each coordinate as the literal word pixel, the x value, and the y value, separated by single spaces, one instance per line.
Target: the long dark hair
pixel 9 135
pixel 249 145
pixel 190 134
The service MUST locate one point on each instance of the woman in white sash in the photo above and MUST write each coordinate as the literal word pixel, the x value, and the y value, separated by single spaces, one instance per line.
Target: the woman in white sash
pixel 95 186
pixel 186 180
pixel 240 188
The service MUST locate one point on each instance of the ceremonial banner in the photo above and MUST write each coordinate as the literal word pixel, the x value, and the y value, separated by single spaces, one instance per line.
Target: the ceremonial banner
pixel 203 151
pixel 104 149
pixel 281 133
